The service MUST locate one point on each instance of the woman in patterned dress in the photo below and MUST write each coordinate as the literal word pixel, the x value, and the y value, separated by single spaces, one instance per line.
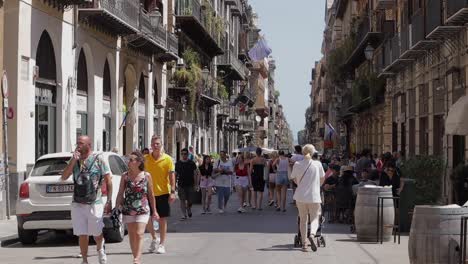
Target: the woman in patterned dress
pixel 136 199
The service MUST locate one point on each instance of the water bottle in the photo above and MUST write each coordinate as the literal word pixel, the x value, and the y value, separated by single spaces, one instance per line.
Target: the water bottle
pixel 155 225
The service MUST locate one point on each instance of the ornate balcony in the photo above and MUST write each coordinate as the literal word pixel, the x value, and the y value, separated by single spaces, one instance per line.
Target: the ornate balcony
pixel 119 17
pixel 365 36
pixel 194 23
pixel 457 12
pixel 151 38
pixel 232 66
pixel 418 33
pixel 435 26
pixel 172 48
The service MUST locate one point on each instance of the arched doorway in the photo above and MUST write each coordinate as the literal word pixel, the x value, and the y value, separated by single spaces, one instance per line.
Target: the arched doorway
pixel 107 112
pixel 45 97
pixel 141 113
pixel 82 96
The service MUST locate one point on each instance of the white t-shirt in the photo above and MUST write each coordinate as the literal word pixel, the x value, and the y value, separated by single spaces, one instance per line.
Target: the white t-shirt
pixel 308 189
pixel 223 180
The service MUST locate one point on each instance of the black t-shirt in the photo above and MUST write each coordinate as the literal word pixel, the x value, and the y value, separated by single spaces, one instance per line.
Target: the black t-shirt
pixel 185 171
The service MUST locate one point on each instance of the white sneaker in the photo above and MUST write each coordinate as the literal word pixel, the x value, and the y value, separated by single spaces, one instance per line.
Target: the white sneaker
pixel 221 211
pixel 241 210
pixel 102 257
pixel 161 249
pixel 154 244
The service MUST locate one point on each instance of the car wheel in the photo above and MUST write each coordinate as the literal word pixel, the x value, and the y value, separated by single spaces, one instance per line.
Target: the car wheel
pixel 27 237
pixel 114 235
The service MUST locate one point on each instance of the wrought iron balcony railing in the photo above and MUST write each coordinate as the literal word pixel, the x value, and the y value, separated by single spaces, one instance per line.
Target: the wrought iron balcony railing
pixel 115 16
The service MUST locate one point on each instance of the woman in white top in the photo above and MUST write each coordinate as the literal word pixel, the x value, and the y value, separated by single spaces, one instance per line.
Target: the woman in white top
pixel 308 174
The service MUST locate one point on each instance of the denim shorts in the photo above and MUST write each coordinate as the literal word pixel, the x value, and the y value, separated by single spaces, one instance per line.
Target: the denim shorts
pixel 282 178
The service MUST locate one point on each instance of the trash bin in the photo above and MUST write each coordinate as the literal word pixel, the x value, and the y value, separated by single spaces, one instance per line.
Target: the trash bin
pixel 407 197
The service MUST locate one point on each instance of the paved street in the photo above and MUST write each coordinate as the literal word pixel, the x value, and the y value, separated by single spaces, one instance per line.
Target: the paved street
pixel 253 237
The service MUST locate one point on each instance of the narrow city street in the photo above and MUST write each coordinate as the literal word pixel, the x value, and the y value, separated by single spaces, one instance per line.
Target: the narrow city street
pixel 253 237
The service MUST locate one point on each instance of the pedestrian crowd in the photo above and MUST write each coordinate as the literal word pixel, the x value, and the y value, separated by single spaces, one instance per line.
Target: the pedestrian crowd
pixel 150 185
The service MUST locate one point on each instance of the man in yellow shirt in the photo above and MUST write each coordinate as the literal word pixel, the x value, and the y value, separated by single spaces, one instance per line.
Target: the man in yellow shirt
pixel 161 168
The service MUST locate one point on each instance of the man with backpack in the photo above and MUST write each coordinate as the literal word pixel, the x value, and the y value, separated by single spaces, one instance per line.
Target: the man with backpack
pixel 89 172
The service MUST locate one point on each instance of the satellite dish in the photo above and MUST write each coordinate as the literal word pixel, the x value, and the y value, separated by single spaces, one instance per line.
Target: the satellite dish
pixel 258 118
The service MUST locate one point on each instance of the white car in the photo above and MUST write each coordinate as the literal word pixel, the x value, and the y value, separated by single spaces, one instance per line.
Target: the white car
pixel 44 201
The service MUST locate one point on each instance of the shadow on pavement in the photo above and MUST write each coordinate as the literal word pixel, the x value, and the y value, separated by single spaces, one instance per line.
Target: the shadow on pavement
pixel 286 247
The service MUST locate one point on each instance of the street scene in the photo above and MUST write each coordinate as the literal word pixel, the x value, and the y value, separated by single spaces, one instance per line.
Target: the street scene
pixel 234 131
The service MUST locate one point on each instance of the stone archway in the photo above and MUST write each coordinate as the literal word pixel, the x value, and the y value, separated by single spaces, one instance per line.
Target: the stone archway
pixel 45 97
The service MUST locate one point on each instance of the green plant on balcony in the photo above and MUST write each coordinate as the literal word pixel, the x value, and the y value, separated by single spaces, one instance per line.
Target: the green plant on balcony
pixel 209 15
pixel 277 93
pixel 360 90
pixel 182 77
pixel 336 60
pixel 218 26
pixel 427 171
pixel 187 11
pixel 189 76
pixel 368 86
pixel 222 90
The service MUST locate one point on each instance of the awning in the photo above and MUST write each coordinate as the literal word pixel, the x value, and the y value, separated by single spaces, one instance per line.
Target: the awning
pixel 457 118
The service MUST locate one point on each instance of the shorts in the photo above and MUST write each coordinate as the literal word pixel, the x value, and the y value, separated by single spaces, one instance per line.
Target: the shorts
pixel 272 178
pixel 162 206
pixel 207 183
pixel 87 219
pixel 144 218
pixel 282 178
pixel 186 193
pixel 241 181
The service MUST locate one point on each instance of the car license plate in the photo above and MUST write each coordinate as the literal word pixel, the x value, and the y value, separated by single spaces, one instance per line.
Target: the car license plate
pixel 60 188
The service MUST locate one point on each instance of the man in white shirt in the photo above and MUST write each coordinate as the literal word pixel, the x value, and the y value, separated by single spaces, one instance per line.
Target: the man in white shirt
pixel 309 175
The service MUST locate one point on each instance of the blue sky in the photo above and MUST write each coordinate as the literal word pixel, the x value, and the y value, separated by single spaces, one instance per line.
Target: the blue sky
pixel 294 31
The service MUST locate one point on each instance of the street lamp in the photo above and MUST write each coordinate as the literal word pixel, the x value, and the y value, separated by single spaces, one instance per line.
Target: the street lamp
pixel 205 74
pixel 155 18
pixel 369 52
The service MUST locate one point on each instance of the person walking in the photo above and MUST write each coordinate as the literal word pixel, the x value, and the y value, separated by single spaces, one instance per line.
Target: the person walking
pixel 136 199
pixel 242 181
pixel 281 181
pixel 89 172
pixel 272 180
pixel 206 183
pixel 308 174
pixel 223 170
pixel 161 168
pixel 256 172
pixel 187 177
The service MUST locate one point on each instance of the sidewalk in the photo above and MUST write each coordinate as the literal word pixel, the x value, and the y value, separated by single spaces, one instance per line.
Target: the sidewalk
pixel 8 230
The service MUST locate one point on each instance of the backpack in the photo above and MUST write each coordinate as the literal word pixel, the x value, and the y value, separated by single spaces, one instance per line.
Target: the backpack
pixel 84 191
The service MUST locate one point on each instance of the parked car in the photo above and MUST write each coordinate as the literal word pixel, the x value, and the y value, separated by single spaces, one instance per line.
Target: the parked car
pixel 45 200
